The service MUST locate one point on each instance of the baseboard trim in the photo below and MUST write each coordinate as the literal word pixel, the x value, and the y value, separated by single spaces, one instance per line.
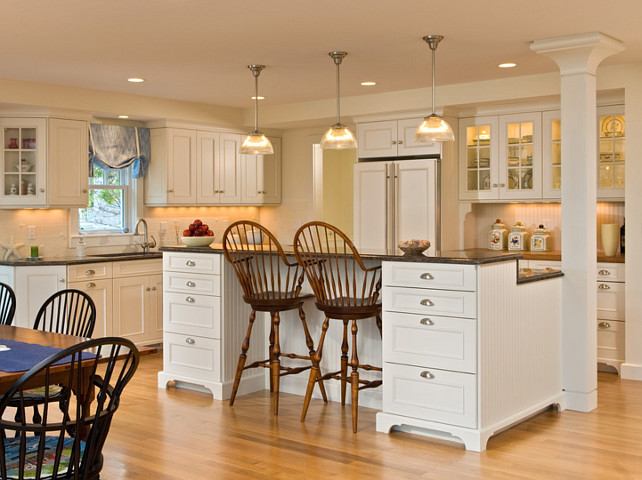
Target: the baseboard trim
pixel 631 371
pixel 581 401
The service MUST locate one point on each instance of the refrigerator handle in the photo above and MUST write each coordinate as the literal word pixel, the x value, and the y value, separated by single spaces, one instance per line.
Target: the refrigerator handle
pixel 394 204
pixel 387 206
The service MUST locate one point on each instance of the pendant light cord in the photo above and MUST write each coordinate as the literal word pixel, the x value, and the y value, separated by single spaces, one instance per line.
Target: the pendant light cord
pixel 338 96
pixel 256 100
pixel 433 79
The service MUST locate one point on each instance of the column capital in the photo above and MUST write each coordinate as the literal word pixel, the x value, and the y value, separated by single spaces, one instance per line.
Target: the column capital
pixel 578 53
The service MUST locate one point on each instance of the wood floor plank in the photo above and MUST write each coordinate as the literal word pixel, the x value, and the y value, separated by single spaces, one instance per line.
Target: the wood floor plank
pixel 177 433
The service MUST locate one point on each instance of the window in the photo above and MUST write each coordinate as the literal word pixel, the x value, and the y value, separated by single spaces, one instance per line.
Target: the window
pixel 109 198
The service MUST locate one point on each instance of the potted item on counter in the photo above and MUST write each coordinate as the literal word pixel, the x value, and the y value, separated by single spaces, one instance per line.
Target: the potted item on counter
pixel 541 240
pixel 518 238
pixel 498 236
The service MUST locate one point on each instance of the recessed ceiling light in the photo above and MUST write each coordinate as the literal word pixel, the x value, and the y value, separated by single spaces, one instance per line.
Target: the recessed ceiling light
pixel 507 65
pixel 368 84
pixel 136 80
pixel 123 116
pixel 260 98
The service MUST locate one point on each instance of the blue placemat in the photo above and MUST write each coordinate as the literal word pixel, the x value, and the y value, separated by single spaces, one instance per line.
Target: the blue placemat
pixel 22 356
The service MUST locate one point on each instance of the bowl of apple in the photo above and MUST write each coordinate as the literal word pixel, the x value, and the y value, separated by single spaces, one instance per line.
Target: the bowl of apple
pixel 198 234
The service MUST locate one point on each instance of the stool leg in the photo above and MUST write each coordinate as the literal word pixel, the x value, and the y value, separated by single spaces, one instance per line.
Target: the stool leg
pixel 271 349
pixel 242 357
pixel 354 378
pixel 379 325
pixel 344 362
pixel 275 361
pixel 310 344
pixel 315 372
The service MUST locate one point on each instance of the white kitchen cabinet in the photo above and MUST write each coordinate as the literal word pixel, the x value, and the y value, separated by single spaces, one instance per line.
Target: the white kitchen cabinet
pixel 501 157
pixel 611 152
pixel 610 314
pixel 24 162
pixel 393 138
pixel 261 176
pixel 67 165
pixel 34 285
pixel 552 154
pixel 205 320
pixel 395 201
pixel 95 279
pixel 456 361
pixel 218 168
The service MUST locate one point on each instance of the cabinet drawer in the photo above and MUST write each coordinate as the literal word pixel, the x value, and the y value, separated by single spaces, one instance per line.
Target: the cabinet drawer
pixel 610 300
pixel 441 342
pixel 430 275
pixel 430 302
pixel 129 268
pixel 192 262
pixel 430 394
pixel 190 283
pixel 192 356
pixel 610 340
pixel 610 272
pixel 192 314
pixel 87 271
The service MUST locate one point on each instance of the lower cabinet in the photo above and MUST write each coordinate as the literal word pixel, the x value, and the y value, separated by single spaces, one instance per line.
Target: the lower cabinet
pixel 33 286
pixel 100 292
pixel 205 320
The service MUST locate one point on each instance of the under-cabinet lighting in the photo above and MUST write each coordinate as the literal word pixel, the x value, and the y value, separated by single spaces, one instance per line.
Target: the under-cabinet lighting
pixel 136 80
pixel 507 65
pixel 368 84
pixel 123 116
pixel 258 98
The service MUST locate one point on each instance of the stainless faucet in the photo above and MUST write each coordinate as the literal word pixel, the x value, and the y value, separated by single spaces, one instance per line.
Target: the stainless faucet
pixel 146 244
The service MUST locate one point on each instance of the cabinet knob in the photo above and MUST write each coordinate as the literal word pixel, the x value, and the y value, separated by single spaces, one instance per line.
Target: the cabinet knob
pixel 190 341
pixel 90 272
pixel 604 272
pixel 400 142
pixel 147 289
pixel 190 299
pixel 603 286
pixel 170 190
pixel 84 190
pixel 190 284
pixel 502 185
pixel 426 276
pixel 604 325
pixel 426 374
pixel 190 263
pixel 62 280
pixel 426 321
pixel 91 285
pixel 394 142
pixel 426 302
pixel 42 190
pixel 495 185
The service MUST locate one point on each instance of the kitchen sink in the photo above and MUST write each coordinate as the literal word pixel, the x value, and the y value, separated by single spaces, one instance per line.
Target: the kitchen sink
pixel 126 254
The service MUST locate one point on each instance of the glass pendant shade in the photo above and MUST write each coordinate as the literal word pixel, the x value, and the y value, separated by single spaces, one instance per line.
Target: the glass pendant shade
pixel 256 143
pixel 338 137
pixel 434 129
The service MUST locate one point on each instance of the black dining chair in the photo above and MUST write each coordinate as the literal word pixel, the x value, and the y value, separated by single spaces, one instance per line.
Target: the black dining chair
pixel 7 304
pixel 66 443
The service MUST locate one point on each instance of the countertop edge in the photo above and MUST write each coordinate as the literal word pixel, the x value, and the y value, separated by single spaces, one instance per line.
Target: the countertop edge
pixel 539 277
pixel 25 262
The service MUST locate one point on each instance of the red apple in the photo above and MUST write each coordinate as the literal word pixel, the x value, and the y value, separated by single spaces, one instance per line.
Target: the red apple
pixel 210 233
pixel 198 223
pixel 187 233
pixel 198 233
pixel 205 227
pixel 192 227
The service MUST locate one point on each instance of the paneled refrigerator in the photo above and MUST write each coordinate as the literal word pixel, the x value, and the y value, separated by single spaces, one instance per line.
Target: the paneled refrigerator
pixel 395 201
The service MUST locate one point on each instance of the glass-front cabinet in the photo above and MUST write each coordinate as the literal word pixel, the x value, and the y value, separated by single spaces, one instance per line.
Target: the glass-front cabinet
pixel 520 156
pixel 23 161
pixel 479 173
pixel 611 139
pixel 552 154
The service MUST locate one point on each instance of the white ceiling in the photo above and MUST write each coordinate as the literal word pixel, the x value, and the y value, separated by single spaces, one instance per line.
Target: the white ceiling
pixel 198 50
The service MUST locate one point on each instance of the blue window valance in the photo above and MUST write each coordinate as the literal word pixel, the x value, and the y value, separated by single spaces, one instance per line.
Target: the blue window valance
pixel 115 147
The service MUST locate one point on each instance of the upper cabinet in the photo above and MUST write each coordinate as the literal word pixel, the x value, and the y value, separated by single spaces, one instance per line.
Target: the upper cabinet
pixel 552 154
pixel 199 167
pixel 262 177
pixel 393 138
pixel 44 163
pixel 478 165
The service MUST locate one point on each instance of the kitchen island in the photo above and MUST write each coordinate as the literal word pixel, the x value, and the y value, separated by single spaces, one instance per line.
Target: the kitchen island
pixel 469 346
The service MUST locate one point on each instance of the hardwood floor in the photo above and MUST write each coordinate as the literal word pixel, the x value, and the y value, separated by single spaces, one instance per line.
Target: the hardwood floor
pixel 176 433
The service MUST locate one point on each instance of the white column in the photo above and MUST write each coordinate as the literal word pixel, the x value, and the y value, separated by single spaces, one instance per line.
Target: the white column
pixel 577 57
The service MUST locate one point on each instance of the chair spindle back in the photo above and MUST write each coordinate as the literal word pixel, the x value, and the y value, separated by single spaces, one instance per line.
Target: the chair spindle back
pixel 7 304
pixel 71 312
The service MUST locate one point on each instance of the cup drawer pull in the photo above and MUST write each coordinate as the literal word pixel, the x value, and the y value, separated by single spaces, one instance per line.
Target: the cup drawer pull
pixel 426 321
pixel 604 286
pixel 426 374
pixel 604 325
pixel 91 285
pixel 190 341
pixel 190 284
pixel 190 263
pixel 426 276
pixel 90 272
pixel 604 272
pixel 426 302
pixel 190 299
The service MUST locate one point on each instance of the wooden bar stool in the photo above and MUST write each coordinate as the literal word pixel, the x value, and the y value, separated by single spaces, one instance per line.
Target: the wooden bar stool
pixel 271 284
pixel 345 290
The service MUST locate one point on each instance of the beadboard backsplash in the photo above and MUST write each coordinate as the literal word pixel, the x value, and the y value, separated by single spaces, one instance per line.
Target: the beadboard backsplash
pixel 531 215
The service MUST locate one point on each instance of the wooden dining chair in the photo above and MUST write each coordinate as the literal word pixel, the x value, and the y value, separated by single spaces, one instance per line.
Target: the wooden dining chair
pixel 270 283
pixel 7 304
pixel 70 311
pixel 345 290
pixel 67 443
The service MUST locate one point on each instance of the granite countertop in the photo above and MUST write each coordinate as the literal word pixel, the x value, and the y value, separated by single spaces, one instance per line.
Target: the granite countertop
pixel 73 260
pixel 464 257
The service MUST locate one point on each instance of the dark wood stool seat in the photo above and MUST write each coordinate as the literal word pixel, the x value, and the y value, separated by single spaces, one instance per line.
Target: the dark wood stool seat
pixel 270 283
pixel 345 290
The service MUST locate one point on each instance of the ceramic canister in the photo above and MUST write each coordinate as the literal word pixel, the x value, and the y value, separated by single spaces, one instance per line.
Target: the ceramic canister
pixel 518 238
pixel 541 240
pixel 498 236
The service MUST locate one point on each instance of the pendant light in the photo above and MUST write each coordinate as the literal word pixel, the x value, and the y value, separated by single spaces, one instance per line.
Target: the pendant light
pixel 338 136
pixel 256 143
pixel 434 128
